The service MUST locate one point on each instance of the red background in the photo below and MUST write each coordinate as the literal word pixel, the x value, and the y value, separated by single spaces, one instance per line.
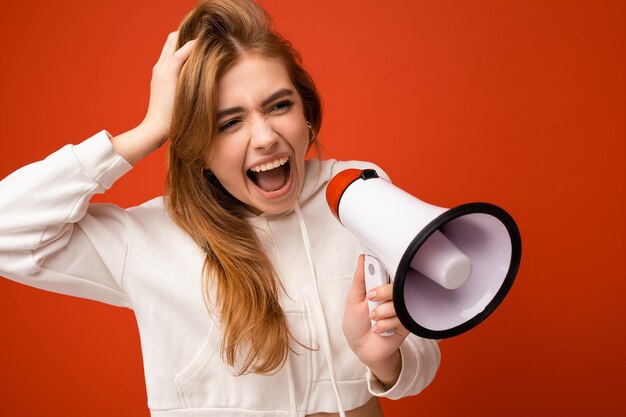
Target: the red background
pixel 519 103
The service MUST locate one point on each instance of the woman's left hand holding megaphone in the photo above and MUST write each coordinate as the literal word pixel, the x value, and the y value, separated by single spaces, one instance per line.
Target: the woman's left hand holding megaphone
pixel 380 354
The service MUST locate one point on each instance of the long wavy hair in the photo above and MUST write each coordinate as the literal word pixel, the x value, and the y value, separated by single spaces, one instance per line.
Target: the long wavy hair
pixel 239 283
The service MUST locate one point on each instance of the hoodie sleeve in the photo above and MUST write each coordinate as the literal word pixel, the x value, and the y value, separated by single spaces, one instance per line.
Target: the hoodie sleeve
pixel 52 238
pixel 420 361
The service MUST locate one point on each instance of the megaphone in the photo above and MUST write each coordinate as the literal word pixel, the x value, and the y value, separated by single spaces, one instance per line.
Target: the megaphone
pixel 450 267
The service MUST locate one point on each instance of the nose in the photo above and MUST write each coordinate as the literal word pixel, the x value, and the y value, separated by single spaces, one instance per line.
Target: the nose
pixel 263 135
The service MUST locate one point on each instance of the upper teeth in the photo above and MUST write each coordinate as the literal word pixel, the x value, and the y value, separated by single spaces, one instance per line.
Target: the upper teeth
pixel 270 165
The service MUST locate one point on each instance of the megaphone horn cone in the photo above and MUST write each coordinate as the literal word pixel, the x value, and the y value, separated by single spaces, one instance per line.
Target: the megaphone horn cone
pixel 451 268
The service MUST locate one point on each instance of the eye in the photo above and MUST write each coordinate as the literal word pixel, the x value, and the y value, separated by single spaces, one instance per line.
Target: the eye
pixel 228 124
pixel 281 107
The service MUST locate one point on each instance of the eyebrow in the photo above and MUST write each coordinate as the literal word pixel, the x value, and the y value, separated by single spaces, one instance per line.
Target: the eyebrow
pixel 283 92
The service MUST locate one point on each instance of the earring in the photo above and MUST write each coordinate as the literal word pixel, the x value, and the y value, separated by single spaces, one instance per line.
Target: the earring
pixel 312 132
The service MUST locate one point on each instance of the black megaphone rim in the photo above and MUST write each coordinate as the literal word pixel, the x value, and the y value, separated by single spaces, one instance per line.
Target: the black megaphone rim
pixel 403 267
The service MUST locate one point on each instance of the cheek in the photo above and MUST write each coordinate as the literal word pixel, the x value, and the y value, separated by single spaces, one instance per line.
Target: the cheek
pixel 305 135
pixel 297 134
pixel 227 163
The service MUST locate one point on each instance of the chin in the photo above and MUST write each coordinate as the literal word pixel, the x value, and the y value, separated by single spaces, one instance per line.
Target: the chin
pixel 275 207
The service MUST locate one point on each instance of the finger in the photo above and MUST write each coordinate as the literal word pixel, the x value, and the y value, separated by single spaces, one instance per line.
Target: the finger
pixel 383 311
pixel 402 331
pixel 168 47
pixel 387 324
pixel 357 290
pixel 182 54
pixel 381 293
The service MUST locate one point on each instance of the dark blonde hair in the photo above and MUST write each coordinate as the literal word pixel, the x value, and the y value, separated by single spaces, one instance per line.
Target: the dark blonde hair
pixel 239 281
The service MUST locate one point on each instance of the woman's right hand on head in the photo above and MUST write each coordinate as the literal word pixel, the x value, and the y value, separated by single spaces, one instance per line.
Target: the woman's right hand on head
pixel 154 130
pixel 163 86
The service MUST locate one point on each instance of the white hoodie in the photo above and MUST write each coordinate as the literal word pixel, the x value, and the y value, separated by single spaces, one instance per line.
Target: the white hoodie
pixel 52 238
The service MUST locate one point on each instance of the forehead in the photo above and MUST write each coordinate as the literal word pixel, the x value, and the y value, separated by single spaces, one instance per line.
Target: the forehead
pixel 250 79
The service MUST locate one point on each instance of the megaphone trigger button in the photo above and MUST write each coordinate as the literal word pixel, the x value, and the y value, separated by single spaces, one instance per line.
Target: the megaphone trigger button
pixel 368 174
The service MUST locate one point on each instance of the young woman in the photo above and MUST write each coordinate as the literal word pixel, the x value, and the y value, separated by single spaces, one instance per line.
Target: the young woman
pixel 240 277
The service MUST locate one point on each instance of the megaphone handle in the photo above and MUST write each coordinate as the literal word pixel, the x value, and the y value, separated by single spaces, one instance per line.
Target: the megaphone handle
pixel 375 276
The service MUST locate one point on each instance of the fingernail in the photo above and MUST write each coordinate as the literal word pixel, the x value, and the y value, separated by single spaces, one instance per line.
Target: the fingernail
pixel 371 295
pixel 374 329
pixel 373 315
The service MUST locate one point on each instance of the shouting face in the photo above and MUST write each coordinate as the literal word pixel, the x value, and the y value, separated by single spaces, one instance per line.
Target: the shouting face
pixel 262 137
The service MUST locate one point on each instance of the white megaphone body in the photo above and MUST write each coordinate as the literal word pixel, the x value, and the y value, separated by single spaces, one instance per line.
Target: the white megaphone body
pixel 450 268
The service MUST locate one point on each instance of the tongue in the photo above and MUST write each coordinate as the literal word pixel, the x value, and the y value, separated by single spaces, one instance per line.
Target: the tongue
pixel 272 179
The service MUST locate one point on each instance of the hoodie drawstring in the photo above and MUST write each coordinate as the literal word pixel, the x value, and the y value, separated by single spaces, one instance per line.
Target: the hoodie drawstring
pixel 325 336
pixel 292 390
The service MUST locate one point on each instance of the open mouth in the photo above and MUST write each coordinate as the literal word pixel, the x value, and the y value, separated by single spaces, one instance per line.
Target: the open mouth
pixel 272 176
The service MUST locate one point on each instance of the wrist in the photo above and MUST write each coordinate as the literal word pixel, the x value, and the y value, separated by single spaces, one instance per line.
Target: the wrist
pixel 388 370
pixel 138 142
pixel 157 132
